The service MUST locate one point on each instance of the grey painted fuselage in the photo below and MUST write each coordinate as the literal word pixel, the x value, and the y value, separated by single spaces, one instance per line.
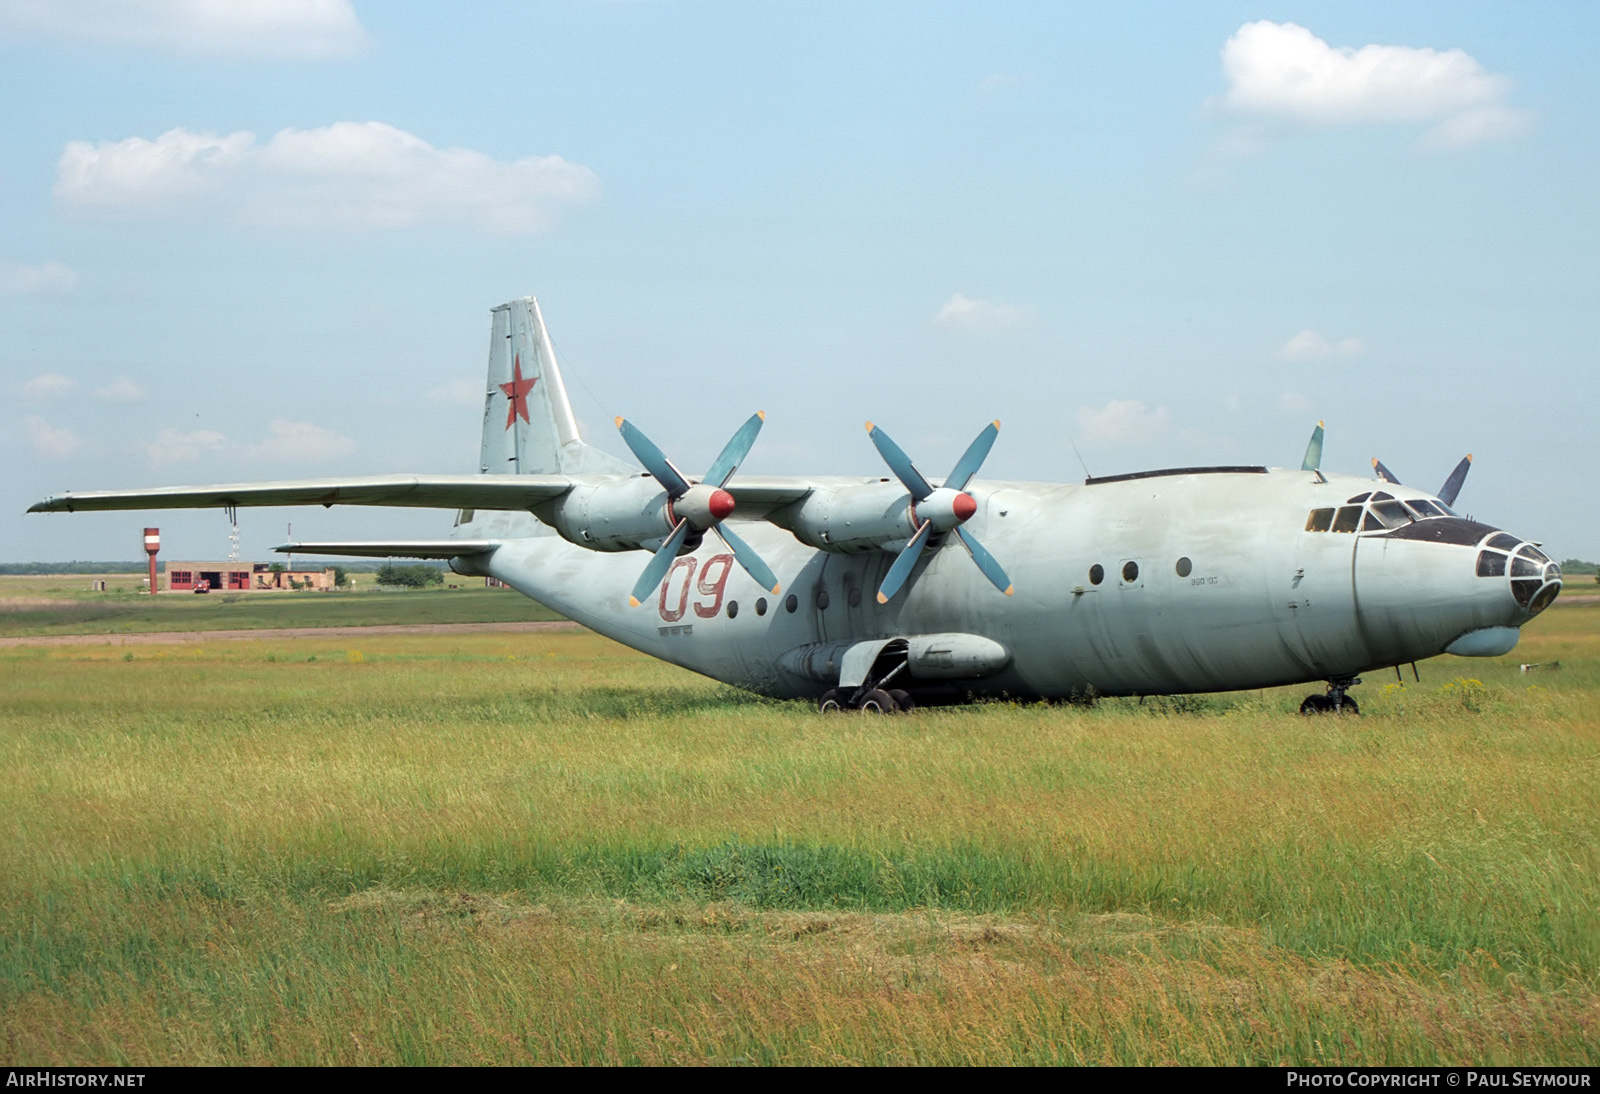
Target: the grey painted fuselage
pixel 1254 602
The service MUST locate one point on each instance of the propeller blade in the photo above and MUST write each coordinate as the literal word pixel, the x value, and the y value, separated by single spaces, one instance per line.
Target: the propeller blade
pixel 972 459
pixel 749 560
pixel 1313 458
pixel 659 563
pixel 1452 485
pixel 653 459
pixel 991 569
pixel 734 452
pixel 899 463
pixel 901 569
pixel 1383 472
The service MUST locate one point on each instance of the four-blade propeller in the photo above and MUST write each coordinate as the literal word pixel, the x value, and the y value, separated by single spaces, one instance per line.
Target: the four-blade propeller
pixel 1447 492
pixel 696 506
pixel 944 509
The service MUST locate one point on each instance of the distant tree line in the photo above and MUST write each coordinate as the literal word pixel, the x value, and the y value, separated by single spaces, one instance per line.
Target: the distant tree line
pixel 351 566
pixel 419 576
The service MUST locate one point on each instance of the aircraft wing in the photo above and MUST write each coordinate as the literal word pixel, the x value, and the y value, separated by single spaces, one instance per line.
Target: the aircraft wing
pixel 757 496
pixel 395 548
pixel 421 491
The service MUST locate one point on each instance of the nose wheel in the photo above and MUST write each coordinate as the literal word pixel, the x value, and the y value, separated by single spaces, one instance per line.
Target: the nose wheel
pixel 1335 701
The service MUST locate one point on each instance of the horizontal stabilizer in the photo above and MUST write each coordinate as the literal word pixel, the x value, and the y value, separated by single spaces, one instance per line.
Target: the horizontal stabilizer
pixel 508 492
pixel 395 548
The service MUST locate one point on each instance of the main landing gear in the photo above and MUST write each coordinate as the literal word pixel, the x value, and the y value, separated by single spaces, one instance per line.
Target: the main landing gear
pixel 871 700
pixel 1335 701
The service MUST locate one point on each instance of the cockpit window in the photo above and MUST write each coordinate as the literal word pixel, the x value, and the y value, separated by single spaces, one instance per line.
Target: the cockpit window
pixel 1391 513
pixel 1347 519
pixel 1424 508
pixel 1319 520
pixel 1359 498
pixel 1503 541
pixel 1381 496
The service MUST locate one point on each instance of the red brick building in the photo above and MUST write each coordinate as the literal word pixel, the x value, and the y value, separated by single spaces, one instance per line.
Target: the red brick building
pixel 242 577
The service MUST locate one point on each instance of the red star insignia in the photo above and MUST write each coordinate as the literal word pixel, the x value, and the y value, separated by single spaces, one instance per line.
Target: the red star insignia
pixel 517 391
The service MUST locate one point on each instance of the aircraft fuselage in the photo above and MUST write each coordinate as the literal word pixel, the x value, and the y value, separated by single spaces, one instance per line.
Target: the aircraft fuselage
pixel 1173 583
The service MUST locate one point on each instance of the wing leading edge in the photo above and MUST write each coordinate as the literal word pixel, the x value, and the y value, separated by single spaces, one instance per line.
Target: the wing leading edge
pixel 509 492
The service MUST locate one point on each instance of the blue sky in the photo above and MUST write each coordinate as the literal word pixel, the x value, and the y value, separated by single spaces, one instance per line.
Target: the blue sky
pixel 1169 234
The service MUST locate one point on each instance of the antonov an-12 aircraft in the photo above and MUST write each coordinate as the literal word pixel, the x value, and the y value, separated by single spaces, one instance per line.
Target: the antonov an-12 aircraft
pixel 881 593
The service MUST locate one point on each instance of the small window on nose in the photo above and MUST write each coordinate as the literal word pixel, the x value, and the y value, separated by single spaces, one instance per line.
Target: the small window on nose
pixel 1491 564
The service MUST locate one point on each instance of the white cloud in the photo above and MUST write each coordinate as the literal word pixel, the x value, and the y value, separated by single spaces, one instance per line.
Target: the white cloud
pixel 996 82
pixel 301 442
pixel 173 446
pixel 458 393
pixel 1292 402
pixel 1122 421
pixel 345 175
pixel 262 28
pixel 1308 345
pixel 49 440
pixel 285 442
pixel 49 385
pixel 963 313
pixel 120 390
pixel 1284 73
pixel 17 279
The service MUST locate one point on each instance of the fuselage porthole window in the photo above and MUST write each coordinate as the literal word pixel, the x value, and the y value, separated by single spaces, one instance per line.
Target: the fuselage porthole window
pixel 733 609
pixel 791 603
pixel 1130 572
pixel 1097 574
pixel 1320 520
pixel 1185 567
pixel 761 605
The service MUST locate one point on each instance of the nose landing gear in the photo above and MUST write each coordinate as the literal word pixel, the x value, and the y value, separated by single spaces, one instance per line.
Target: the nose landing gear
pixel 1335 701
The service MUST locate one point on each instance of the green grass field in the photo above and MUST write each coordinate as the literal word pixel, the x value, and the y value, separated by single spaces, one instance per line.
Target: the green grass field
pixel 544 848
pixel 61 604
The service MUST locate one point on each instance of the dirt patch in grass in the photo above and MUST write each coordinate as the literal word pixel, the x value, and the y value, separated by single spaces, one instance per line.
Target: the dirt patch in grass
pixel 176 637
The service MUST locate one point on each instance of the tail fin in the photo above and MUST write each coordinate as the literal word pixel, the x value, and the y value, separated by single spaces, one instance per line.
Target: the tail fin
pixel 528 426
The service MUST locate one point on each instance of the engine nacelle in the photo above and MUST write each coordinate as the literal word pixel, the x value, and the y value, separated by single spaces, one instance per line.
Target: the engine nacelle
pixel 622 515
pixel 876 517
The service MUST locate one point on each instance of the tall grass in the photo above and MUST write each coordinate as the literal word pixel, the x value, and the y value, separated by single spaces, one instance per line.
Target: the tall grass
pixel 545 848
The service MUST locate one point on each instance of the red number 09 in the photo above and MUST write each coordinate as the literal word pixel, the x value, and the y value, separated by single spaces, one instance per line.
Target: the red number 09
pixel 713 583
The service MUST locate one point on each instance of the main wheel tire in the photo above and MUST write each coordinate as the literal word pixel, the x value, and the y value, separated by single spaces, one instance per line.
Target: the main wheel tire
pixel 1316 704
pixel 829 703
pixel 878 701
pixel 902 699
pixel 1347 707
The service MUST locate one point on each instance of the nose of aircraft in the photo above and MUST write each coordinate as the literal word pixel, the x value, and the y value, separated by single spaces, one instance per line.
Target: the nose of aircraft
pixel 1530 576
pixel 1516 581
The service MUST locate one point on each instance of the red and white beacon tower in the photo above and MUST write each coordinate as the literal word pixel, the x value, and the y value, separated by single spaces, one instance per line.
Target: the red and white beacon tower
pixel 152 544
